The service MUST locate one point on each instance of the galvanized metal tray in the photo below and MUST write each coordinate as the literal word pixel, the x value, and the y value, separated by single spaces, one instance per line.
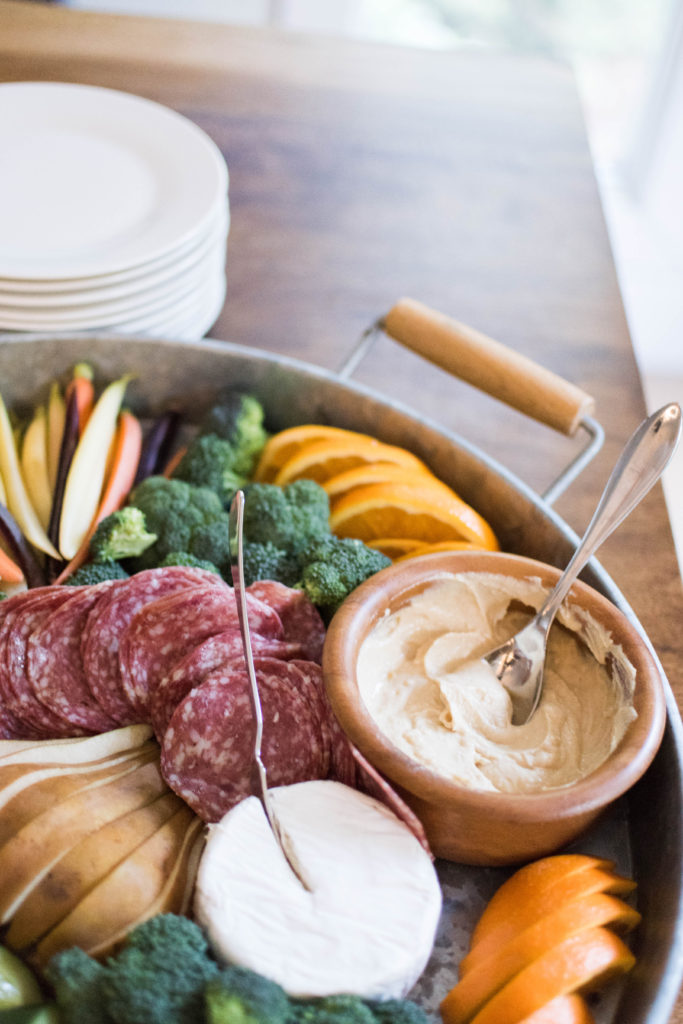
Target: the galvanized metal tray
pixel 642 833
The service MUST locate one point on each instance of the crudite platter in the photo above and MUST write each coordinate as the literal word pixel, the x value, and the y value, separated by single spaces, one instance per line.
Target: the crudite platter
pixel 642 831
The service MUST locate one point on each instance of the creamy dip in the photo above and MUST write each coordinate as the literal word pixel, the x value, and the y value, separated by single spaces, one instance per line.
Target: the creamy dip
pixel 421 680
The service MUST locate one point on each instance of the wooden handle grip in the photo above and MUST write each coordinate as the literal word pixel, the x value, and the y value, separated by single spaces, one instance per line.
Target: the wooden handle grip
pixel 488 365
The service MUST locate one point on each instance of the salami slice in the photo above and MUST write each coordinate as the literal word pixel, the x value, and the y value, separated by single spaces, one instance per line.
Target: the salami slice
pixel 207 749
pixel 224 650
pixel 25 619
pixel 301 620
pixel 371 782
pixel 112 615
pixel 55 666
pixel 166 630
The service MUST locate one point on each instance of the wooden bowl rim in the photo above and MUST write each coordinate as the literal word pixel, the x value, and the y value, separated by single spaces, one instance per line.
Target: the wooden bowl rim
pixel 391 587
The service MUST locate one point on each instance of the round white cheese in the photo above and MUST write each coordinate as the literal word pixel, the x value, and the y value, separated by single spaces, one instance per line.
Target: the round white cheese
pixel 366 926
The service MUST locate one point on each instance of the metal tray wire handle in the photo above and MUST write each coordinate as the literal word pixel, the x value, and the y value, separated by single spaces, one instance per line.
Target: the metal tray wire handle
pixel 494 368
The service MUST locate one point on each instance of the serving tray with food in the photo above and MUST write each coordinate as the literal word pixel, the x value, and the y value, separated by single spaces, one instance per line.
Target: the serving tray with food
pixel 140 878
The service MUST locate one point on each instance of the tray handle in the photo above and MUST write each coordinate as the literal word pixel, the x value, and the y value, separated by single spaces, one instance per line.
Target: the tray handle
pixel 488 365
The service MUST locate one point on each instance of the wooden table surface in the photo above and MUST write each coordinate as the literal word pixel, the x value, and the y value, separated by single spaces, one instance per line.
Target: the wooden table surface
pixel 361 173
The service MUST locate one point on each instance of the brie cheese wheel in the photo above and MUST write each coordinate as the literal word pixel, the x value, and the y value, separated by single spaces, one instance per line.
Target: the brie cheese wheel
pixel 366 926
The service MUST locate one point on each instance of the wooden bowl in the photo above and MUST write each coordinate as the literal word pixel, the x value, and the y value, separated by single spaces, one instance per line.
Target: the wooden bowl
pixel 467 825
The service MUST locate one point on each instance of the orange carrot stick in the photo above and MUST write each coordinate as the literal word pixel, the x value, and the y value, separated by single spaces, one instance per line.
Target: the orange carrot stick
pixel 174 462
pixel 124 463
pixel 9 570
pixel 82 383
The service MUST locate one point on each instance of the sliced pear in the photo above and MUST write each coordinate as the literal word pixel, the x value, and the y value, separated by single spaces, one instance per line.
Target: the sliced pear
pixel 144 880
pixel 85 866
pixel 46 787
pixel 81 748
pixel 27 857
pixel 34 466
pixel 18 501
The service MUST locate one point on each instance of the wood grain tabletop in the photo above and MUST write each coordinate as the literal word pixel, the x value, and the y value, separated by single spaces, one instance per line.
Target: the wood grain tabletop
pixel 360 173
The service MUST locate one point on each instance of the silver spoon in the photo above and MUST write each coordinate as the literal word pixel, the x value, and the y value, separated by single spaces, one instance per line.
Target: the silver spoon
pixel 518 663
pixel 259 777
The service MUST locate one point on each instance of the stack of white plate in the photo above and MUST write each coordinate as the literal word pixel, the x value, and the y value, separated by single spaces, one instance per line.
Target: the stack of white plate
pixel 113 214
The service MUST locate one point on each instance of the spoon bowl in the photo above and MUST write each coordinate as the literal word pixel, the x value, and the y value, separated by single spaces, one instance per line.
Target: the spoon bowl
pixel 518 663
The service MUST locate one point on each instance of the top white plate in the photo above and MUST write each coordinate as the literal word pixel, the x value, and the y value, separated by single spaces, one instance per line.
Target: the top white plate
pixel 94 181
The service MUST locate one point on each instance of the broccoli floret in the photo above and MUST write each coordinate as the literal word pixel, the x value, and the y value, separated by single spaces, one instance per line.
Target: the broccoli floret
pixel 183 558
pixel 210 462
pixel 240 996
pixel 266 562
pixel 123 534
pixel 334 566
pixel 77 981
pixel 291 517
pixel 184 518
pixel 398 1011
pixel 160 975
pixel 341 1009
pixel 238 418
pixel 96 572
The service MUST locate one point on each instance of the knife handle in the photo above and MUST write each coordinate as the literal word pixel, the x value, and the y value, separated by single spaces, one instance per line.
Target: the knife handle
pixel 487 364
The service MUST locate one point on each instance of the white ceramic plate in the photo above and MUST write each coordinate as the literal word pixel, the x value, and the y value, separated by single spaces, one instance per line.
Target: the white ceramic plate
pixel 77 296
pixel 125 181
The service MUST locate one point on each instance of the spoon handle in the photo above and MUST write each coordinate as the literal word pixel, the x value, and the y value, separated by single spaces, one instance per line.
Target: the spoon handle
pixel 638 468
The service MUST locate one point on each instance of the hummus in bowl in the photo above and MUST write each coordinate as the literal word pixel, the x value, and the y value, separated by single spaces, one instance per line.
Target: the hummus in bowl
pixel 402 671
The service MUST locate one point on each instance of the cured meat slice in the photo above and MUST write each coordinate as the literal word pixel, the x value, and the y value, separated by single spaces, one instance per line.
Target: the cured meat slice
pixel 55 666
pixel 166 630
pixel 112 615
pixel 224 650
pixel 301 620
pixel 207 749
pixel 29 611
pixel 371 782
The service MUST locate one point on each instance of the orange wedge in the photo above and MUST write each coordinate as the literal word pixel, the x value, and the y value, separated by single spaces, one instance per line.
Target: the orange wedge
pixel 286 443
pixel 581 963
pixel 527 882
pixel 437 546
pixel 538 906
pixel 395 547
pixel 378 473
pixel 563 1010
pixel 386 510
pixel 490 974
pixel 324 459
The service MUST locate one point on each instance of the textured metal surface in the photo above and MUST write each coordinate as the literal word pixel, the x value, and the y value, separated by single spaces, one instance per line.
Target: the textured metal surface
pixel 643 831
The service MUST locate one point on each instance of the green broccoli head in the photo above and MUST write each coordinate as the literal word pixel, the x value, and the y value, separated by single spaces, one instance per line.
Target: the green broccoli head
pixel 334 566
pixel 238 418
pixel 96 572
pixel 266 562
pixel 184 518
pixel 160 975
pixel 123 534
pixel 77 981
pixel 291 517
pixel 210 461
pixel 240 996
pixel 341 1009
pixel 397 1011
pixel 185 558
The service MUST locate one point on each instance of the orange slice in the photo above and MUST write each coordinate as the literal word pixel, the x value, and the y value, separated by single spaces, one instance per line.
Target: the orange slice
pixel 395 547
pixel 563 1010
pixel 324 459
pixel 386 510
pixel 490 974
pixel 441 545
pixel 286 443
pixel 581 963
pixel 568 890
pixel 378 473
pixel 527 882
